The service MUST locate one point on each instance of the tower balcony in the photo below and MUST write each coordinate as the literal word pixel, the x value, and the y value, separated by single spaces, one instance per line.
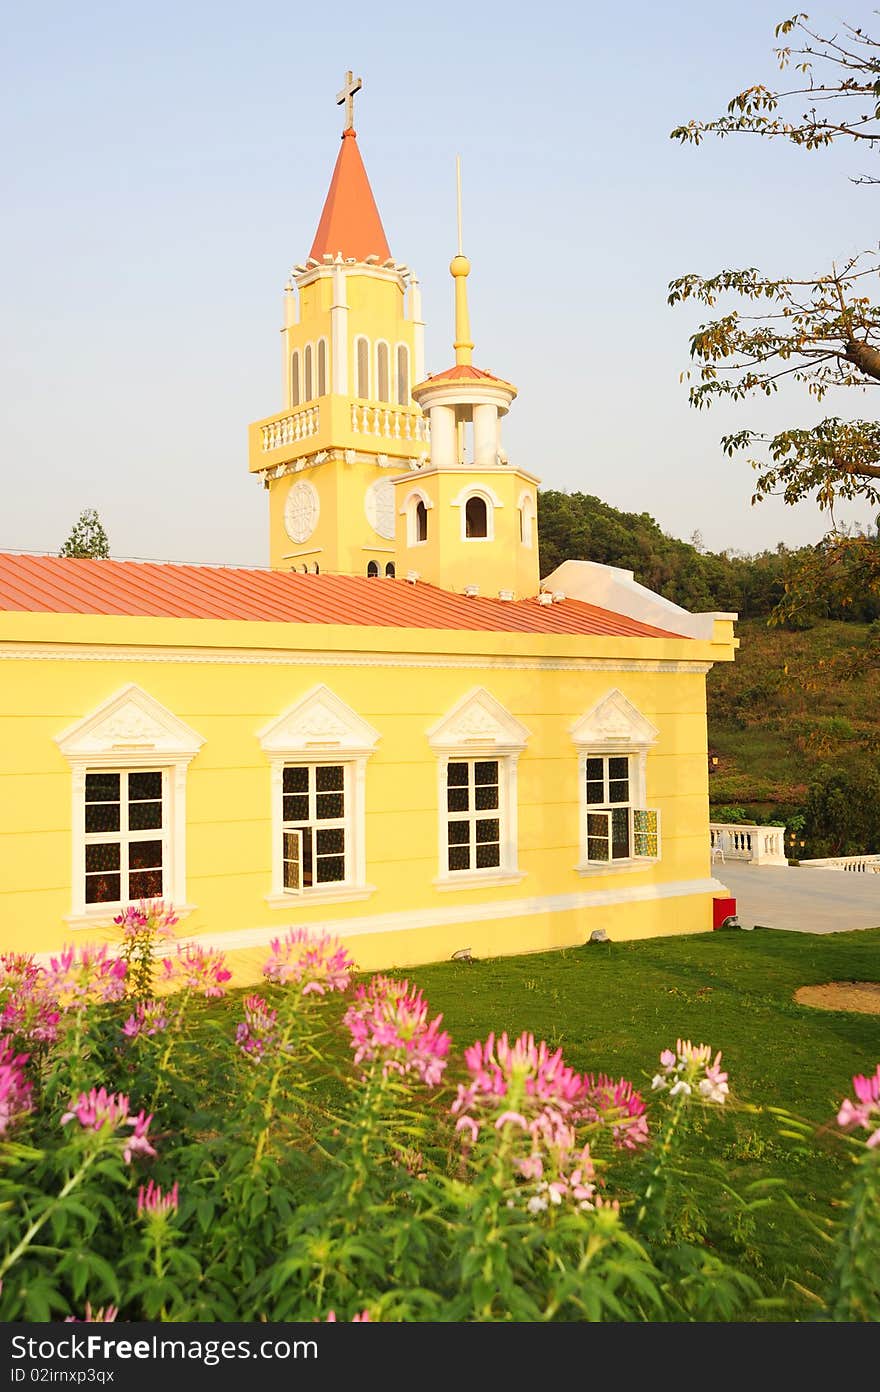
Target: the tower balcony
pixel 337 422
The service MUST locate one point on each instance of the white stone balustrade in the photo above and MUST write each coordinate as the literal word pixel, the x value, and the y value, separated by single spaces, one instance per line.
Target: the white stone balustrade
pixel 388 422
pixel 299 425
pixel 756 844
pixel 858 864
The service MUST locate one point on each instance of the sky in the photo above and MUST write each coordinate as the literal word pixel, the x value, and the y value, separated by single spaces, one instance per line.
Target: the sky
pixel 166 166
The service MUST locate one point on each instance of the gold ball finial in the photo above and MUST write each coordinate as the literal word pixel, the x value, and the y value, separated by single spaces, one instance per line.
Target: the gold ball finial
pixel 459 266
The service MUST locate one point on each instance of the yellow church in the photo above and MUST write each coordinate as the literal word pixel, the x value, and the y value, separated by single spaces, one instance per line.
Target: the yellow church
pixel 398 732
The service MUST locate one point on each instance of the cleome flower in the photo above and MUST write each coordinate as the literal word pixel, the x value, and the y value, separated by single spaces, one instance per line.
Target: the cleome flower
pixel 318 965
pixel 100 1110
pixel 199 969
pixel 257 1033
pixel 362 1318
pixel 616 1106
pixel 865 1111
pixel 149 1017
pixel 106 1315
pixel 28 1009
pixel 15 1090
pixel 153 1203
pixel 149 916
pixel 388 1023
pixel 690 1069
pixel 84 976
pixel 522 1084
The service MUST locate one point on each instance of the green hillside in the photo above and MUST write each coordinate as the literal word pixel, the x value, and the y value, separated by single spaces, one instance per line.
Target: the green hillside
pixel 795 720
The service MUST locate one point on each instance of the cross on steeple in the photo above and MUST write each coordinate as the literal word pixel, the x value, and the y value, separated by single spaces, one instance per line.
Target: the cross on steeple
pixel 346 97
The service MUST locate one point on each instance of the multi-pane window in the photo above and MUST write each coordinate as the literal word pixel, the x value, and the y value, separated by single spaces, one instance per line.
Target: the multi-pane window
pixel 473 814
pixel 125 836
pixel 615 829
pixel 313 827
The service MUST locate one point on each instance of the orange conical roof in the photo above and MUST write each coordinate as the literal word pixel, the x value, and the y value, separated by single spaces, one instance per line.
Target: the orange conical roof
pixel 350 222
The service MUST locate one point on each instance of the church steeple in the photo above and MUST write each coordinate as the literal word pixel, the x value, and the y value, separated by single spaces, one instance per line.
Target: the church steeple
pixel 350 224
pixel 352 345
pixel 470 519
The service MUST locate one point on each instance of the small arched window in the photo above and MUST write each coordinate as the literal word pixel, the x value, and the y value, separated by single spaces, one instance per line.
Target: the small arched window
pixel 421 521
pixel 307 373
pixel 294 379
pixel 362 354
pixel 382 391
pixel 390 570
pixel 322 367
pixel 476 518
pixel 402 375
pixel 317 568
pixel 372 570
pixel 526 520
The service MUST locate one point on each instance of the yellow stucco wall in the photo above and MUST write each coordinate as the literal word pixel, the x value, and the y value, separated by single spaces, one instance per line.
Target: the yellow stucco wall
pixel 227 680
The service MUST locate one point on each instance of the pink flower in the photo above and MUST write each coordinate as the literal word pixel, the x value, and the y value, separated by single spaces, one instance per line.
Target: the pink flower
pixel 865 1111
pixel 521 1081
pixel 149 917
pixel 317 965
pixel 106 1315
pixel 80 977
pixel 151 1200
pixel 615 1105
pixel 257 1033
pixel 29 1009
pixel 100 1110
pixel 15 1090
pixel 692 1068
pixel 388 1023
pixel 150 1017
pixel 198 969
pixel 362 1318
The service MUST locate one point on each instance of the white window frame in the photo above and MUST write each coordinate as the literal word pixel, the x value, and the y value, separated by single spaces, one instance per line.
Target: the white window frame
pixel 131 732
pixel 320 729
pixel 408 511
pixel 407 398
pixel 479 728
pixel 358 394
pixel 125 838
pixel 614 728
pixel 346 822
pixel 492 501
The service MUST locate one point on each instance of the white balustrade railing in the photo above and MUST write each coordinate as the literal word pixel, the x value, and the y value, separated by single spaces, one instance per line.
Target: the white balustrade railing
pixel 859 864
pixel 299 425
pixel 759 845
pixel 388 422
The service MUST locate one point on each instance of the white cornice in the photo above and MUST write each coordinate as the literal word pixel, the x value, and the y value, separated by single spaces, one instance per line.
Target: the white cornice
pixel 273 657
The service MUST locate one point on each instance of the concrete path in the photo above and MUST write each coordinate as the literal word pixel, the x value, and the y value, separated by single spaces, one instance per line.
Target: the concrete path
pixel 803 900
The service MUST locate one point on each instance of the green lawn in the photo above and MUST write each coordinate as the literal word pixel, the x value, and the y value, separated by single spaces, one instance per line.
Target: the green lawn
pixel 614 1007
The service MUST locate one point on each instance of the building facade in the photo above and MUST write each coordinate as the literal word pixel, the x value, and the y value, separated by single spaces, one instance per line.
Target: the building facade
pixel 397 733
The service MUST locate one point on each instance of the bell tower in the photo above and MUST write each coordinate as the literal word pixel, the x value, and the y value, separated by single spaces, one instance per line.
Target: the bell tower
pixel 467 521
pixel 352 344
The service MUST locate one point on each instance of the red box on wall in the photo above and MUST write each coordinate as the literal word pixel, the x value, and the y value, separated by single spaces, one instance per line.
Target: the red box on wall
pixel 722 909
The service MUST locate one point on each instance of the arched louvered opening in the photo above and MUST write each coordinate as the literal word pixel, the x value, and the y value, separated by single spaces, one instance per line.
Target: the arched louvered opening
pixel 476 518
pixel 383 392
pixel 294 379
pixel 322 367
pixel 402 375
pixel 362 359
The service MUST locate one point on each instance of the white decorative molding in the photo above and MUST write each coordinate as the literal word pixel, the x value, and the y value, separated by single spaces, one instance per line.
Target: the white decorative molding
pixel 478 721
pixel 272 657
pixel 612 722
pixel 478 490
pixel 410 920
pixel 129 722
pixel 301 511
pixel 130 730
pixel 379 507
pixel 319 720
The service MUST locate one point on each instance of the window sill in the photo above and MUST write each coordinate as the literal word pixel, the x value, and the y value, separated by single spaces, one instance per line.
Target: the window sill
pixel 615 867
pixel 103 917
pixel 478 879
pixel 337 894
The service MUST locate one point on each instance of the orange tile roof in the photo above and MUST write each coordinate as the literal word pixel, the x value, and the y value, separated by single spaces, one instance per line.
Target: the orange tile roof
pixel 464 371
pixel 350 222
pixel 56 585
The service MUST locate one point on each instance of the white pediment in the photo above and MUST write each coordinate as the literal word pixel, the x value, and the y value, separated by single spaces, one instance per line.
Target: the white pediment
pixel 319 720
pixel 478 720
pixel 614 720
pixel 134 721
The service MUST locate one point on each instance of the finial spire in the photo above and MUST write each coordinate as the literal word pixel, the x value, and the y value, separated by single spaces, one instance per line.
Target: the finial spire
pixel 346 98
pixel 460 269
